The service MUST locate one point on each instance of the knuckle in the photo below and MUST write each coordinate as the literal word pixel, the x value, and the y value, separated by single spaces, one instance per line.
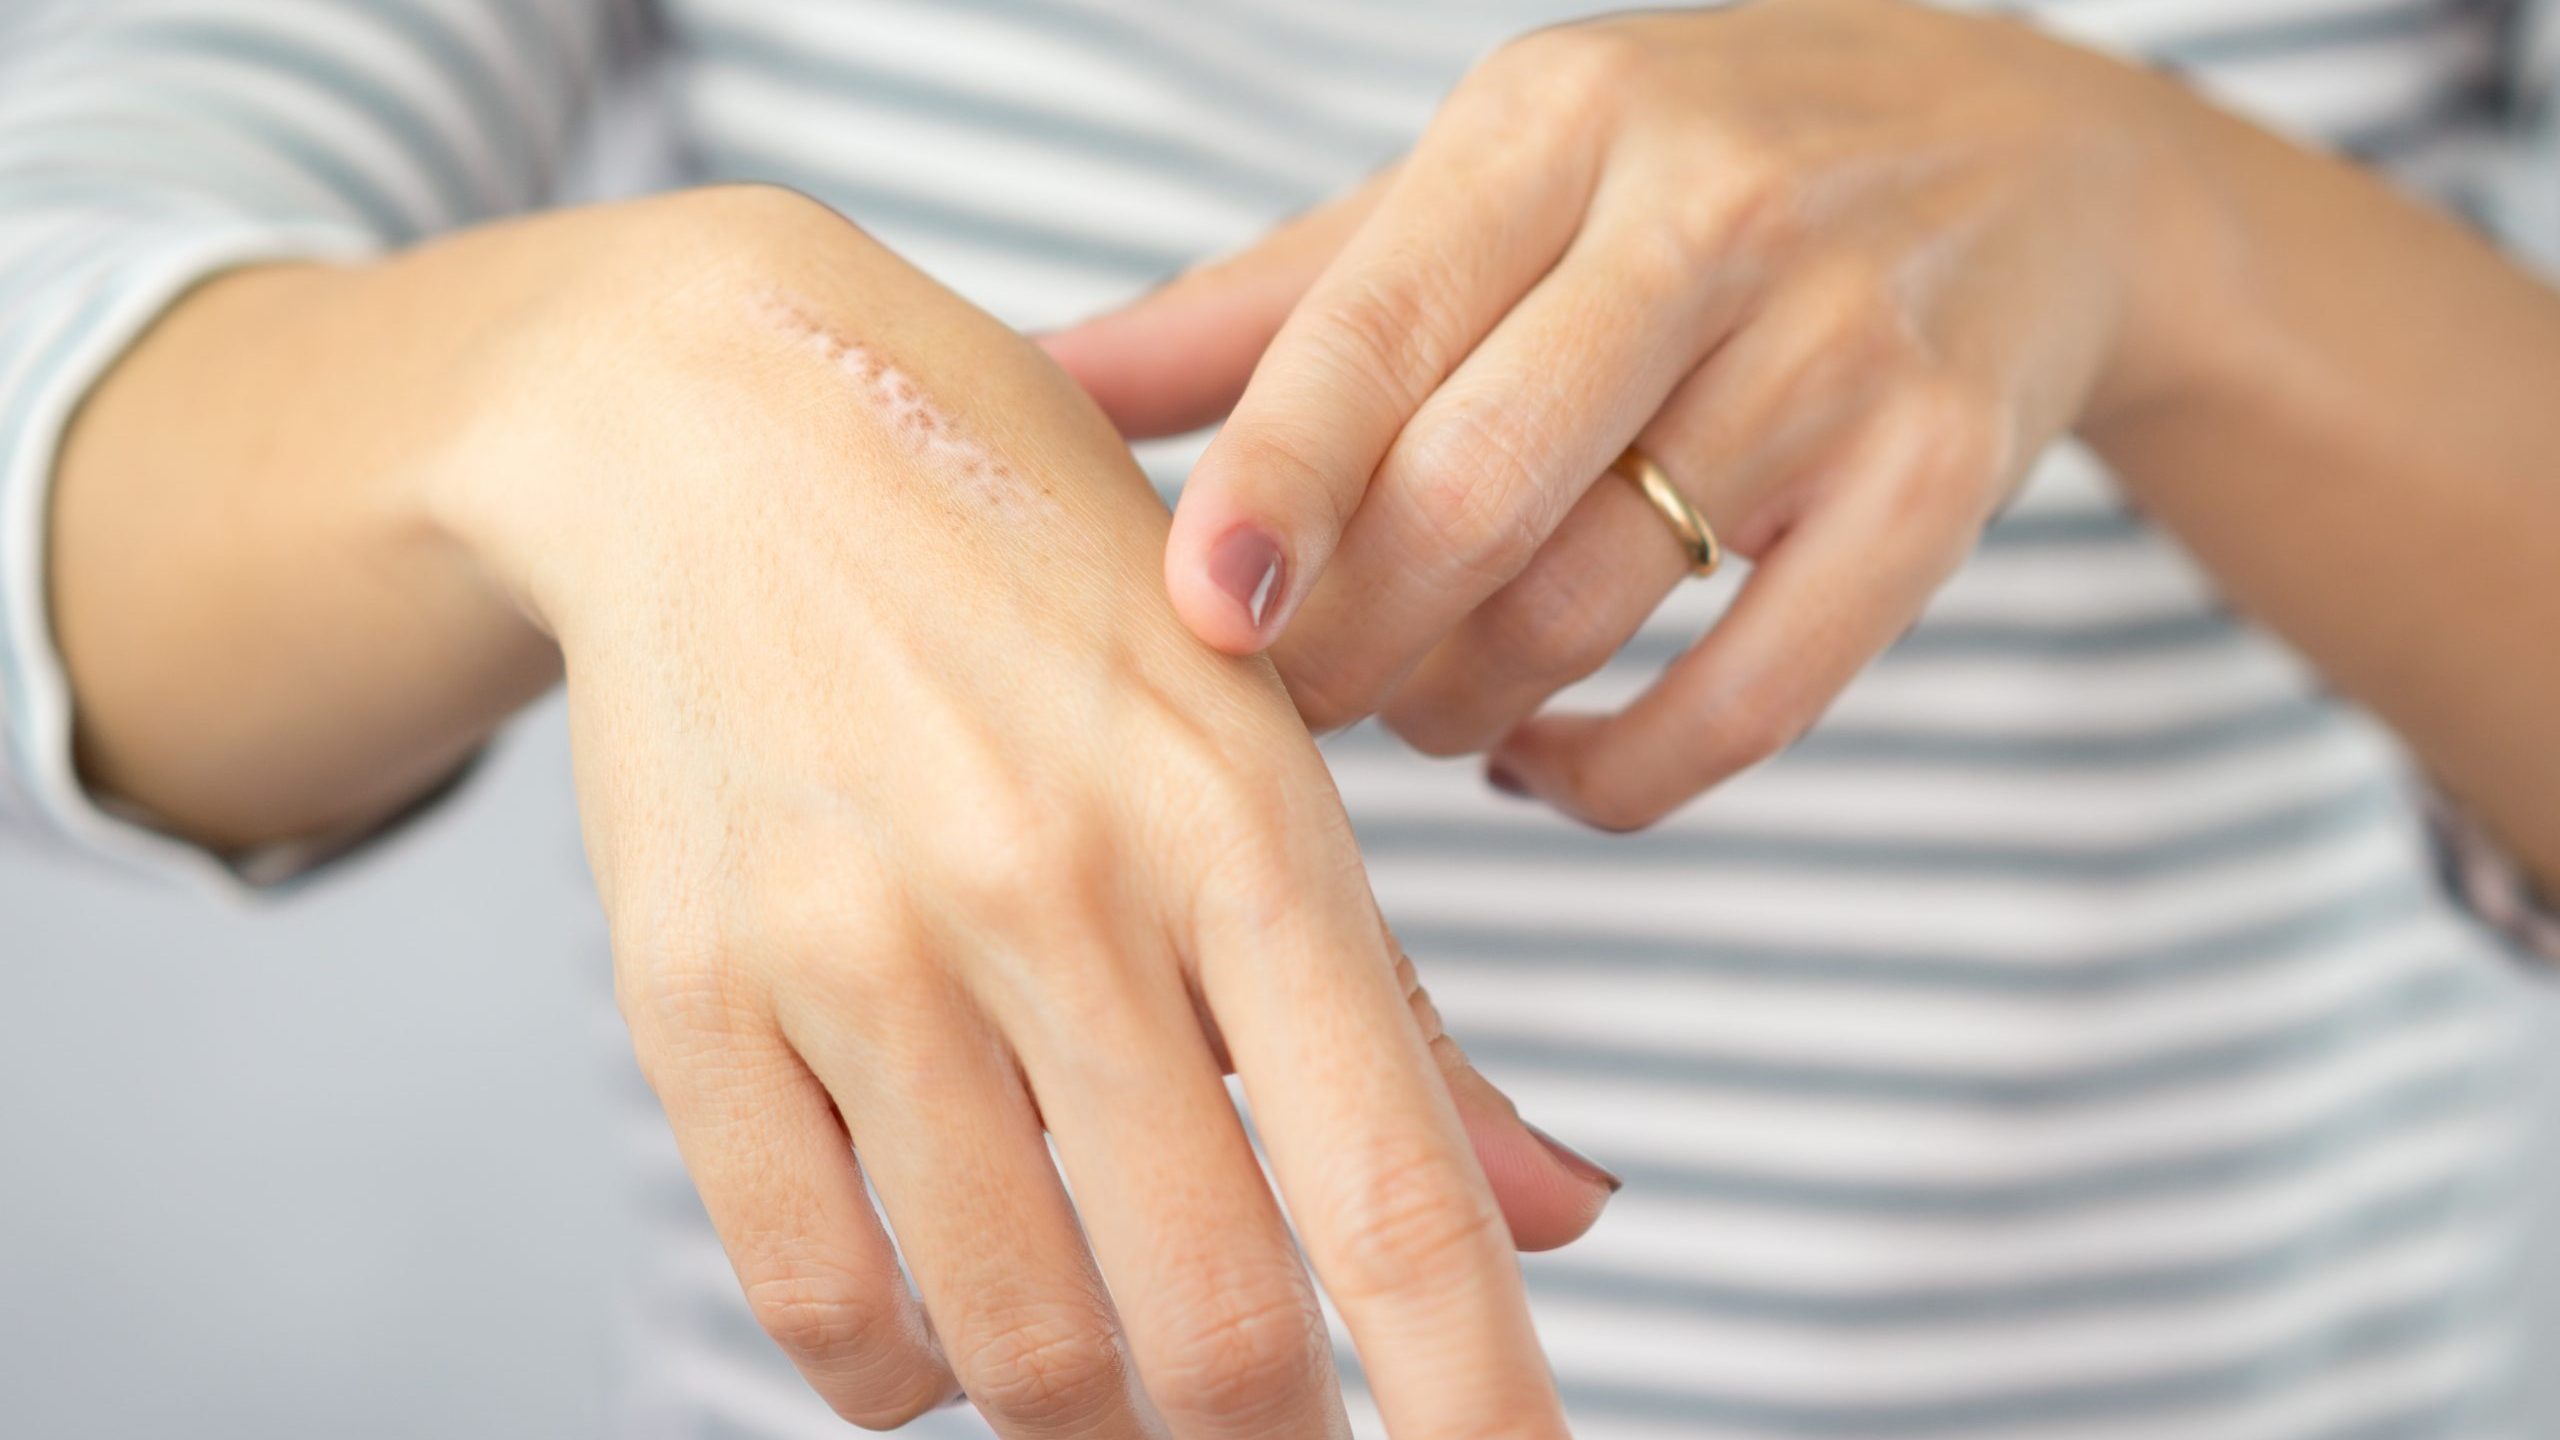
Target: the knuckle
pixel 1248 843
pixel 1390 325
pixel 1465 528
pixel 678 998
pixel 808 932
pixel 1242 1356
pixel 863 1414
pixel 1026 860
pixel 1470 489
pixel 1417 999
pixel 1199 765
pixel 1436 726
pixel 853 1340
pixel 881 1413
pixel 1952 444
pixel 1229 791
pixel 1857 319
pixel 1046 1366
pixel 1446 1052
pixel 1759 208
pixel 1406 1217
pixel 1666 255
pixel 1576 69
pixel 1261 834
pixel 1750 213
pixel 819 1317
pixel 823 933
pixel 1281 457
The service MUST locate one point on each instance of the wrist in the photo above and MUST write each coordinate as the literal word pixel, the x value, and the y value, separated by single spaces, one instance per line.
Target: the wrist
pixel 627 406
pixel 729 371
pixel 2182 318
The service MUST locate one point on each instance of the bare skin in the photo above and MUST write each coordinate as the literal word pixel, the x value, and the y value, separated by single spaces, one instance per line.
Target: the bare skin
pixel 917 816
pixel 1845 267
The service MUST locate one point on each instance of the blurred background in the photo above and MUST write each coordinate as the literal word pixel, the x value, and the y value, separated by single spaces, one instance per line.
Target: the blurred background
pixel 345 1163
pixel 336 1164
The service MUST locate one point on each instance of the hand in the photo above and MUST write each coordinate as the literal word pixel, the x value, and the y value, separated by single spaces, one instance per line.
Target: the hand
pixel 923 827
pixel 1841 266
pixel 919 818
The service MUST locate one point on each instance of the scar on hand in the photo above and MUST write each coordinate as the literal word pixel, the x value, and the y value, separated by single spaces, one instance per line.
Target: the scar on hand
pixel 943 449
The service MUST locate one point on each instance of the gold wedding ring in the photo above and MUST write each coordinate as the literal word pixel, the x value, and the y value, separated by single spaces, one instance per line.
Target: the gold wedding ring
pixel 1687 525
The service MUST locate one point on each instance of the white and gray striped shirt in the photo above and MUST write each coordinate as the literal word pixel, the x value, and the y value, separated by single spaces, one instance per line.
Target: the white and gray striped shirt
pixel 2072 1036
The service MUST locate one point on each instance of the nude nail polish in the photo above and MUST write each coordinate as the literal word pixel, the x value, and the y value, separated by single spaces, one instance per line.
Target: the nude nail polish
pixel 1246 564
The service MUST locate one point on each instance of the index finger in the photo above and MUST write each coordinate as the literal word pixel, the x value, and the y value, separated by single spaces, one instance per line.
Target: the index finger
pixel 1482 208
pixel 1178 357
pixel 1369 1153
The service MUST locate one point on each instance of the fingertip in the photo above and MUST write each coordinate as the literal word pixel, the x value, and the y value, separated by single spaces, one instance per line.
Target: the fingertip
pixel 1111 371
pixel 1063 346
pixel 1580 1166
pixel 1530 762
pixel 1227 590
pixel 1550 1194
pixel 1562 761
pixel 1554 1218
pixel 1177 357
pixel 1093 337
pixel 1229 565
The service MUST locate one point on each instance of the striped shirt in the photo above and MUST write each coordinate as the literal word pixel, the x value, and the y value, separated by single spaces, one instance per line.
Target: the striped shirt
pixel 2072 1036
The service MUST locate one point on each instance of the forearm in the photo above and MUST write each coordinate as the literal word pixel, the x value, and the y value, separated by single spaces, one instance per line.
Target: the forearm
pixel 266 636
pixel 2364 449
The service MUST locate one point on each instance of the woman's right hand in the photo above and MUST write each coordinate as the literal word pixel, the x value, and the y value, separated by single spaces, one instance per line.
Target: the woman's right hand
pixel 919 818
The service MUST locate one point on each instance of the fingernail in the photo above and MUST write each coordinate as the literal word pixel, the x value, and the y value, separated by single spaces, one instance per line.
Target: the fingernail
pixel 1583 1166
pixel 1501 777
pixel 1246 564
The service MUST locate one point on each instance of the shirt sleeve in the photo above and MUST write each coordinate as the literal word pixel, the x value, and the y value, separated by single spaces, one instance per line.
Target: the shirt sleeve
pixel 146 145
pixel 2492 886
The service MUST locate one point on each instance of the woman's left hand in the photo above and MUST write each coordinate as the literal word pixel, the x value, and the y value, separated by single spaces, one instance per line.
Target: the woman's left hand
pixel 1841 267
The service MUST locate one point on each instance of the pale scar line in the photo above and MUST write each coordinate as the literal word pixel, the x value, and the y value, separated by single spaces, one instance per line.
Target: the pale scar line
pixel 933 436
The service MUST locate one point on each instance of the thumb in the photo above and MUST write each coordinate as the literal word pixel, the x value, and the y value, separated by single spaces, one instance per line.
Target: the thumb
pixel 1550 1193
pixel 1176 358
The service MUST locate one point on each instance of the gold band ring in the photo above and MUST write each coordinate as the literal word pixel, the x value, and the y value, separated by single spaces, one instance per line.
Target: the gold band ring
pixel 1687 525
